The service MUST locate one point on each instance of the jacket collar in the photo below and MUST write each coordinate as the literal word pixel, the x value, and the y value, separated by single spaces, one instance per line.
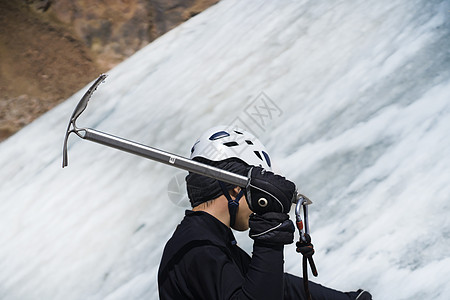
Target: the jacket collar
pixel 211 227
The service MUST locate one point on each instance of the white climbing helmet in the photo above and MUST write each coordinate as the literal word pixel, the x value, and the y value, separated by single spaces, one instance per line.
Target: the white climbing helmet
pixel 222 142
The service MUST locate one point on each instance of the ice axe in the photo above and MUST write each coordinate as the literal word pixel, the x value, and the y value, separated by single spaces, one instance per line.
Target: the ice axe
pixel 139 149
pixel 167 158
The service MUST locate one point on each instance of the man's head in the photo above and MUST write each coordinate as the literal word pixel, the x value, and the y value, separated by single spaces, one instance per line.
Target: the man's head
pixel 230 149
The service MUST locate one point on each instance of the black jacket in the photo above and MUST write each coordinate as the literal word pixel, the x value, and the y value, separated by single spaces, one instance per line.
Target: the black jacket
pixel 202 261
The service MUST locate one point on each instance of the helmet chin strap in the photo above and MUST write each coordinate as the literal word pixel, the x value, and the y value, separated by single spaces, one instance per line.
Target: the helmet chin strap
pixel 233 204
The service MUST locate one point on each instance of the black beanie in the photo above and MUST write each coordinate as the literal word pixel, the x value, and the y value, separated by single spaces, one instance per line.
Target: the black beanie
pixel 201 188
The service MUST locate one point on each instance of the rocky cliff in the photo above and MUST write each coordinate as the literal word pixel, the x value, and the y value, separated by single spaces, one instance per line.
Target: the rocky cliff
pixel 49 49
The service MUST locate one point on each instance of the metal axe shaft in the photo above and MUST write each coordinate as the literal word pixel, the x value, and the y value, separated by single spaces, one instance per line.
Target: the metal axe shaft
pixel 163 157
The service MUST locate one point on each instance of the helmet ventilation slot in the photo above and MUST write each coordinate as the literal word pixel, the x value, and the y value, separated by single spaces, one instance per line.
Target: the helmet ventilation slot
pixel 218 135
pixel 258 154
pixel 231 144
pixel 266 156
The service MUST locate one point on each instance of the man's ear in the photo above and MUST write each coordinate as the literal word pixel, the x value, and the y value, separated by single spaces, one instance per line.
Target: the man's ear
pixel 235 191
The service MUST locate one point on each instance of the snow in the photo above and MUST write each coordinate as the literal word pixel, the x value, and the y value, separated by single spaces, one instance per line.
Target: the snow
pixel 350 97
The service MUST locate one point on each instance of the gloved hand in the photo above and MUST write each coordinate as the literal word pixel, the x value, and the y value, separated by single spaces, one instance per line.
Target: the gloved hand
pixel 267 192
pixel 272 228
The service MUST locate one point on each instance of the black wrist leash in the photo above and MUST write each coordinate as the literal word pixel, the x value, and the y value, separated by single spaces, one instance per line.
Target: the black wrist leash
pixel 307 250
pixel 304 245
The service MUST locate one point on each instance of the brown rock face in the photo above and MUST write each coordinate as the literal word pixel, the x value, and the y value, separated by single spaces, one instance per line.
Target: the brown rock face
pixel 49 49
pixel 41 63
pixel 111 30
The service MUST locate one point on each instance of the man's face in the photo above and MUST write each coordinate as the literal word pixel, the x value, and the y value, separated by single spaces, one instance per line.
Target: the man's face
pixel 242 216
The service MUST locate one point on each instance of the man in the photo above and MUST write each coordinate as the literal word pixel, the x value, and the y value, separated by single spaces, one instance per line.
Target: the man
pixel 202 259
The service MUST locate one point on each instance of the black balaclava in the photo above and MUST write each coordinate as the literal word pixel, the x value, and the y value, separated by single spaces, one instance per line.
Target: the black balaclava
pixel 201 188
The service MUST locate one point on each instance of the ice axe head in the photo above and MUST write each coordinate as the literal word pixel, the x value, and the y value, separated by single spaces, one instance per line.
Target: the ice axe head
pixel 79 109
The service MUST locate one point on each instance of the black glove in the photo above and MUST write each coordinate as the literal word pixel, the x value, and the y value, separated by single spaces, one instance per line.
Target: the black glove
pixel 267 192
pixel 272 228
